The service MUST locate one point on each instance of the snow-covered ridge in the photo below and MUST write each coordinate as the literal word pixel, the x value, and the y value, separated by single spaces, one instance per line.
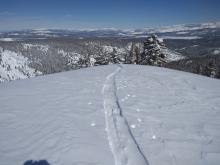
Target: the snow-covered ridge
pixel 172 115
pixel 14 66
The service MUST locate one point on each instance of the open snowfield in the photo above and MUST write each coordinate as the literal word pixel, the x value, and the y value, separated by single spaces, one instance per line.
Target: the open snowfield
pixel 106 115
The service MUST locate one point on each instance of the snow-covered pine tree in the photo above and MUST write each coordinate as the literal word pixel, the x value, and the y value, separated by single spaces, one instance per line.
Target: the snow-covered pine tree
pixel 153 51
pixel 101 60
pixel 113 59
pixel 134 55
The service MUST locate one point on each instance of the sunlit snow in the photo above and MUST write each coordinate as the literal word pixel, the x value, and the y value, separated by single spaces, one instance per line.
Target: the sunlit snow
pixel 173 118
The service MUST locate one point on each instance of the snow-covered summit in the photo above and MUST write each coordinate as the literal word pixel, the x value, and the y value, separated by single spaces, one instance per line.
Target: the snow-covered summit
pixel 125 115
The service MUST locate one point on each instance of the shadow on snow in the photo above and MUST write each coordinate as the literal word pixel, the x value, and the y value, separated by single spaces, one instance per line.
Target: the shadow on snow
pixel 40 162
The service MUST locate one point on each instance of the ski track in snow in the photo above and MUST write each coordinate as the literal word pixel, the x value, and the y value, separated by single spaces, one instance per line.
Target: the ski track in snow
pixel 122 143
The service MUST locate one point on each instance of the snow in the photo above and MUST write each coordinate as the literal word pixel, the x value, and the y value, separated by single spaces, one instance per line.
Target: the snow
pixel 41 31
pixel 14 34
pixel 78 117
pixel 7 39
pixel 107 49
pixel 182 32
pixel 93 124
pixel 43 48
pixel 44 32
pixel 157 44
pixel 216 51
pixel 160 39
pixel 15 66
pixel 92 61
pixel 180 113
pixel 73 57
pixel 172 55
pixel 193 46
pixel 181 37
pixel 122 143
pixel 187 27
pixel 110 49
pixel 153 137
pixel 62 52
pixel 181 29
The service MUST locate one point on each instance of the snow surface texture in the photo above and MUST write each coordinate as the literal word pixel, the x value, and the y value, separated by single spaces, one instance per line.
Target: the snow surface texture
pixel 167 116
pixel 14 66
pixel 123 145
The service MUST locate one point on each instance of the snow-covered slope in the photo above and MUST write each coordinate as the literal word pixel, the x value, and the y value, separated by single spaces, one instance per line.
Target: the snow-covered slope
pixel 14 66
pixel 172 55
pixel 122 115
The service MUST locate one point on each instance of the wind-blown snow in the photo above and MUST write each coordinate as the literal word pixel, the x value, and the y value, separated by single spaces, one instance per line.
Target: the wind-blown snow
pixel 168 117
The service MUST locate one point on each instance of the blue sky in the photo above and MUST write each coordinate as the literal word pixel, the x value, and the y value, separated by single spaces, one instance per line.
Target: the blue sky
pixel 76 14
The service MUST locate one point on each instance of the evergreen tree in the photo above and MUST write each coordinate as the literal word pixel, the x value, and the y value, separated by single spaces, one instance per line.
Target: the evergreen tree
pixel 134 56
pixel 153 52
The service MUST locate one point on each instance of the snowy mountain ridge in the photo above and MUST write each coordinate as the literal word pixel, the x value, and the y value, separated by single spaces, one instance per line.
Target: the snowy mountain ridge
pixel 139 118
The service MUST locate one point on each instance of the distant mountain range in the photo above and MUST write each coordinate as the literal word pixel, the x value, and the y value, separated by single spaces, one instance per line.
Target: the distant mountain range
pixel 28 53
pixel 184 31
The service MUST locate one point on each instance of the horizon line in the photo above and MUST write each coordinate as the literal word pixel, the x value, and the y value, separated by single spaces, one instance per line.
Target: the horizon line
pixel 115 29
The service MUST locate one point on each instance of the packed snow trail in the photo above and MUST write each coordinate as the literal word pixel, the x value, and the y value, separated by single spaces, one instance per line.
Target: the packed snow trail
pixel 122 143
